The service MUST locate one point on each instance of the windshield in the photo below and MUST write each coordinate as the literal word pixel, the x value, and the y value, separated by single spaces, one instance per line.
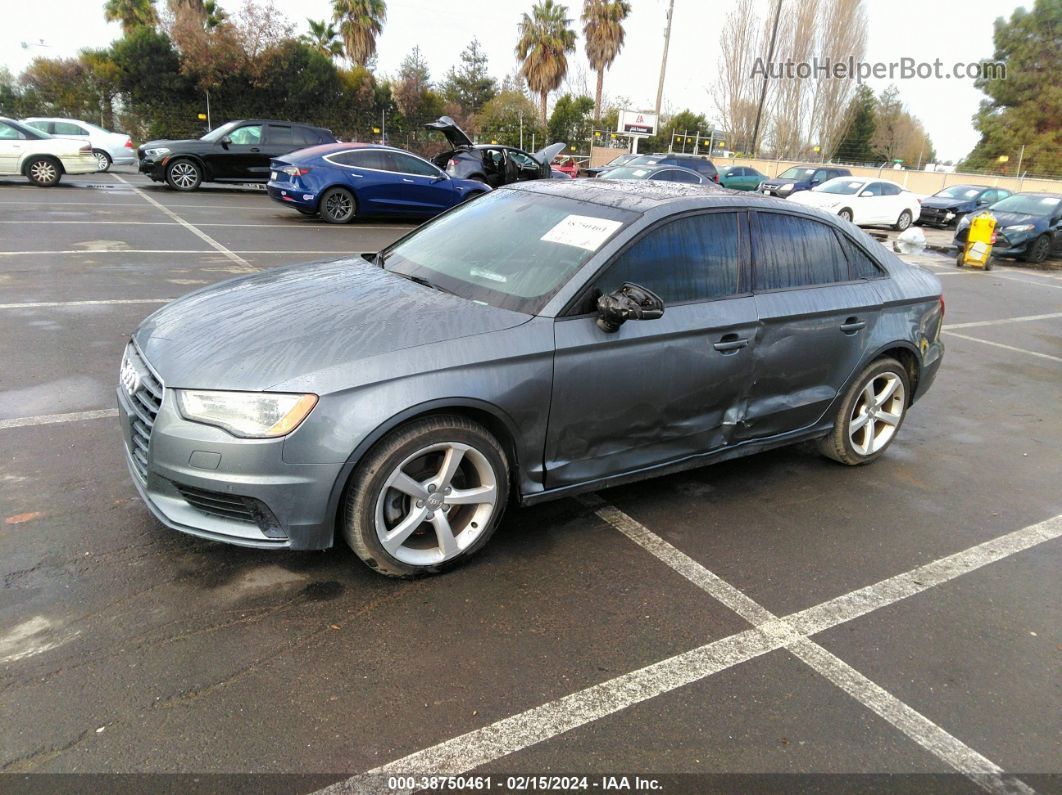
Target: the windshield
pixel 796 172
pixel 958 192
pixel 619 161
pixel 219 132
pixel 512 249
pixel 628 172
pixel 842 185
pixel 1029 204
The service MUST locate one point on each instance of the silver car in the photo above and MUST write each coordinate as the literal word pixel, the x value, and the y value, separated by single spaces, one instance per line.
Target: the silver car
pixel 109 148
pixel 549 338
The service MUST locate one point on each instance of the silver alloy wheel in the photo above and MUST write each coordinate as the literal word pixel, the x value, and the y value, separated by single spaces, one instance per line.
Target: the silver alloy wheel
pixel 846 214
pixel 903 221
pixel 436 503
pixel 877 413
pixel 339 205
pixel 184 174
pixel 102 161
pixel 44 171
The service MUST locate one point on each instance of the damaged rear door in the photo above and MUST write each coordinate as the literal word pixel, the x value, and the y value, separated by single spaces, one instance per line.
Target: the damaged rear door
pixel 659 390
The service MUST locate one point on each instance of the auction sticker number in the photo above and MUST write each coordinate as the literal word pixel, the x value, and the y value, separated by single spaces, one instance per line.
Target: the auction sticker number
pixel 582 231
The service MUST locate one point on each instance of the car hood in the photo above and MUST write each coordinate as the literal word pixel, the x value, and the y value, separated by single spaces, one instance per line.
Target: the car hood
pixel 184 142
pixel 775 181
pixel 257 331
pixel 1004 219
pixel 944 203
pixel 448 127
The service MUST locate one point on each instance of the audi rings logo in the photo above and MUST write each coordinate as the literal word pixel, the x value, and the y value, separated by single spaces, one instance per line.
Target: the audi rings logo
pixel 129 377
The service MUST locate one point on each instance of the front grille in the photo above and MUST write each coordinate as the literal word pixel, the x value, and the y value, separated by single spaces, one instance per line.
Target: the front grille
pixel 233 507
pixel 144 390
pixel 933 215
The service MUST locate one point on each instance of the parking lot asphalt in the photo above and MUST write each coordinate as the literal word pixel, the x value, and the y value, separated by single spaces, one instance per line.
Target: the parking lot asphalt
pixel 775 614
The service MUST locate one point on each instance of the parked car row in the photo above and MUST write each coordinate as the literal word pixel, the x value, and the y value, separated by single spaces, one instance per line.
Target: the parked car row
pixel 40 157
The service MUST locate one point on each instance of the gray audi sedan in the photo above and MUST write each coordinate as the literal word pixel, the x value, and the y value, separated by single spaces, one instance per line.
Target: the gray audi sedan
pixel 549 338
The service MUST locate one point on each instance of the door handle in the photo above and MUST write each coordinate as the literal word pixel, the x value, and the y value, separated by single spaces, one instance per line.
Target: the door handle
pixel 406 180
pixel 255 149
pixel 852 325
pixel 730 343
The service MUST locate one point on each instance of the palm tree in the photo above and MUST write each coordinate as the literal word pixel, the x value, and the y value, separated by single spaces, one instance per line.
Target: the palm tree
pixel 545 40
pixel 323 38
pixel 603 28
pixel 360 22
pixel 213 14
pixel 131 14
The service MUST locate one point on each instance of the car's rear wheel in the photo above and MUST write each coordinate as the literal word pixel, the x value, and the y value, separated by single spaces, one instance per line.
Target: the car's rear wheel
pixel 426 497
pixel 44 171
pixel 1038 250
pixel 846 214
pixel 870 415
pixel 338 206
pixel 903 221
pixel 103 160
pixel 183 175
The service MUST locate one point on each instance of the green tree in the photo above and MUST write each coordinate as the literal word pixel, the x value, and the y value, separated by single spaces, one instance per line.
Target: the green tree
pixel 103 76
pixel 412 90
pixel 503 116
pixel 546 38
pixel 360 22
pixel 855 143
pixel 323 38
pixel 571 120
pixel 159 100
pixel 470 84
pixel 1024 107
pixel 603 28
pixel 131 14
pixel 682 123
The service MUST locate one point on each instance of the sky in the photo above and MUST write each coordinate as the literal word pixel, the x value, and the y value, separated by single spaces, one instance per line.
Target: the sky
pixel 916 29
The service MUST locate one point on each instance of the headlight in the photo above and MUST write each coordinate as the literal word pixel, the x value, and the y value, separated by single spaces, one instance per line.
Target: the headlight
pixel 157 152
pixel 1019 228
pixel 949 215
pixel 785 188
pixel 253 415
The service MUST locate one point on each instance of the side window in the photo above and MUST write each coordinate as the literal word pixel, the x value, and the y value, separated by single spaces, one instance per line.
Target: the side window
pixel 695 258
pixel 863 267
pixel 795 252
pixel 871 189
pixel 820 175
pixel 682 176
pixel 9 133
pixel 362 158
pixel 1001 195
pixel 281 134
pixel 888 189
pixel 247 136
pixel 66 128
pixel 990 197
pixel 407 164
pixel 305 137
pixel 43 126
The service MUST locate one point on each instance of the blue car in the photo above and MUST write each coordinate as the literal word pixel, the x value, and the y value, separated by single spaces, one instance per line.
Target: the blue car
pixel 798 178
pixel 342 182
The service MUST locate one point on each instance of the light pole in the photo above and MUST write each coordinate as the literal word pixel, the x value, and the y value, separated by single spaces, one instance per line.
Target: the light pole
pixel 766 77
pixel 663 61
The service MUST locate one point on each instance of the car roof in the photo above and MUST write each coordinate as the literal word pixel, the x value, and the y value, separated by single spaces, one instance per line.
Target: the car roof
pixel 1041 194
pixel 274 121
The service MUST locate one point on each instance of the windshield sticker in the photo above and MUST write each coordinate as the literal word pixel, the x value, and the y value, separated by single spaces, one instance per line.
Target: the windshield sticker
pixel 1050 200
pixel 640 172
pixel 582 231
pixel 490 276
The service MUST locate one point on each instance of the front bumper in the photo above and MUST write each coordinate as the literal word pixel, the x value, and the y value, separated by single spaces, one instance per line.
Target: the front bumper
pixel 202 481
pixel 156 169
pixel 775 190
pixel 937 216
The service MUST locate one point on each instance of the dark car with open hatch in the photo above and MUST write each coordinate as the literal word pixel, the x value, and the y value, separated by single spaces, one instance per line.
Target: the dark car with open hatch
pixel 236 152
pixel 548 338
pixel 493 164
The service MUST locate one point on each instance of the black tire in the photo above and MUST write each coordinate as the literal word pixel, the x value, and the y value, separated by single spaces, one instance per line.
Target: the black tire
pixel 44 171
pixel 365 491
pixel 338 206
pixel 1038 250
pixel 103 160
pixel 184 174
pixel 960 257
pixel 903 221
pixel 846 214
pixel 991 261
pixel 838 443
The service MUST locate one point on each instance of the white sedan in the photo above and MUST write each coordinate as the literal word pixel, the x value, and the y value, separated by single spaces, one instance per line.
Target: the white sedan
pixel 40 157
pixel 864 202
pixel 110 148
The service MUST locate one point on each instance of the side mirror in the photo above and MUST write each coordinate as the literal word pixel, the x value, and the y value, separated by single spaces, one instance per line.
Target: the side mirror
pixel 866 193
pixel 629 302
pixel 225 141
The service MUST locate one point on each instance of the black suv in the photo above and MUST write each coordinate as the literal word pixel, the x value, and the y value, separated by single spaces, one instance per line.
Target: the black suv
pixel 494 164
pixel 238 151
pixel 699 163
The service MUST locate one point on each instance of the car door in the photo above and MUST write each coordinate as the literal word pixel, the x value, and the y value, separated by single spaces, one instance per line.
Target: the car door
pixel 816 312
pixel 238 155
pixel 894 201
pixel 12 145
pixel 367 173
pixel 419 187
pixel 655 390
pixel 868 205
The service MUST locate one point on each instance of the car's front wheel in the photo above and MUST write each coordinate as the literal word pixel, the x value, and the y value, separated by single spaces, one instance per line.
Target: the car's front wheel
pixel 903 221
pixel 44 171
pixel 846 214
pixel 183 175
pixel 870 415
pixel 338 206
pixel 426 497
pixel 103 160
pixel 1038 250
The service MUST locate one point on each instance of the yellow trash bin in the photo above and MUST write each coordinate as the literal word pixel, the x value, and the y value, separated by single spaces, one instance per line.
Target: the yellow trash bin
pixel 977 253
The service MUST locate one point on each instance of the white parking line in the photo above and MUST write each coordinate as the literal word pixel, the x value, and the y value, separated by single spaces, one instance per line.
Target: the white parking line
pixel 1004 347
pixel 1026 281
pixel 46 304
pixel 344 252
pixel 190 227
pixel 1002 321
pixel 49 419
pixel 509 735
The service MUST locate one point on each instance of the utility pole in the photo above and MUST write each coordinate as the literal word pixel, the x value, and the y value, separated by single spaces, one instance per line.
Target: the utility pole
pixel 663 61
pixel 766 77
pixel 521 129
pixel 1021 156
